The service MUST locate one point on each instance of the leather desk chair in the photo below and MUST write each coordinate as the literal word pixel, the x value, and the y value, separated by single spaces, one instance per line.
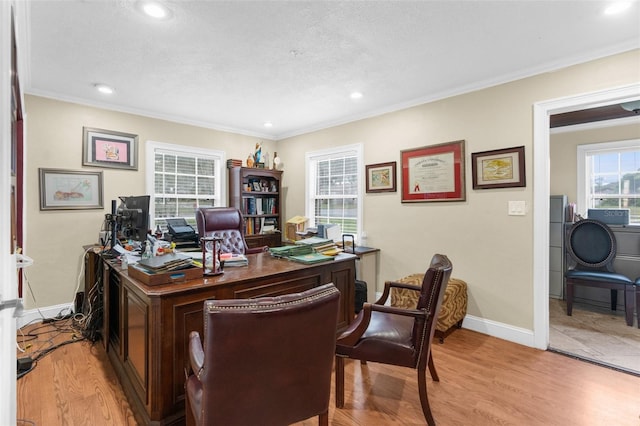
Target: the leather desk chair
pixel 592 246
pixel 227 224
pixel 266 361
pixel 397 336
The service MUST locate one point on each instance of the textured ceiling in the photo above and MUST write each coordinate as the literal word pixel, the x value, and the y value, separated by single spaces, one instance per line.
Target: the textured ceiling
pixel 234 65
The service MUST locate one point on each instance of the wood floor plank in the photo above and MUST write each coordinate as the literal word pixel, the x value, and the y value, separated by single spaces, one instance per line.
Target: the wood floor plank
pixel 483 381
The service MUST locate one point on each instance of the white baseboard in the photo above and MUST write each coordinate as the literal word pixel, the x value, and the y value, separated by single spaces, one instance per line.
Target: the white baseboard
pixel 495 329
pixel 500 330
pixel 35 315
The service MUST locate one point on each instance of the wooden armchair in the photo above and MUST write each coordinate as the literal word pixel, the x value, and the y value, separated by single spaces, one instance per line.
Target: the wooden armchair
pixel 397 336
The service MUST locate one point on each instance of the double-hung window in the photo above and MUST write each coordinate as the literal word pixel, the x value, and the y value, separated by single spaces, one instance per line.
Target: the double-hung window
pixel 333 183
pixel 181 179
pixel 609 177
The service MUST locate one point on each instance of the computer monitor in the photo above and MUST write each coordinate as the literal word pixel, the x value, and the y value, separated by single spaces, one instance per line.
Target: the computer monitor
pixel 134 217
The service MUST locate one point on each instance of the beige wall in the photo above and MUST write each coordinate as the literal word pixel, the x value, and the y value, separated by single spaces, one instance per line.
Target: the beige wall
pixel 492 251
pixel 54 140
pixel 563 152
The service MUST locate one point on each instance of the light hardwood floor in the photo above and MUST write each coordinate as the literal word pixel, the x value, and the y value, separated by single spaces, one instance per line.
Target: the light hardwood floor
pixel 483 381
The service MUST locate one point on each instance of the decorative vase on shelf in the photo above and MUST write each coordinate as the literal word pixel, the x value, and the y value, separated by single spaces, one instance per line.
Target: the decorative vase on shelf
pixel 265 160
pixel 276 161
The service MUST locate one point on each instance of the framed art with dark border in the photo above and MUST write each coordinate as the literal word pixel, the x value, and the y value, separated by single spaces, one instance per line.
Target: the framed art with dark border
pixel 433 173
pixel 500 168
pixel 70 189
pixel 381 177
pixel 106 148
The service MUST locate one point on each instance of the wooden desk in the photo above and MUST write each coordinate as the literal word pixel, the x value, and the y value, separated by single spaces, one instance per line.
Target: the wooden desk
pixel 146 328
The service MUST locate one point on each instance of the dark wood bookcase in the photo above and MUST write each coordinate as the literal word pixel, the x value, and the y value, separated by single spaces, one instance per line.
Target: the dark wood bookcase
pixel 257 194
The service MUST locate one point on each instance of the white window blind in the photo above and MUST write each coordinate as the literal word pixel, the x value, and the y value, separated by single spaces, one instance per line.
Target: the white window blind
pixel 609 177
pixel 184 179
pixel 333 188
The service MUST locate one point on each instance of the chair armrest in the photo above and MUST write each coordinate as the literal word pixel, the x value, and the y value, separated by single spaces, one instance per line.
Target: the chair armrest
pixel 257 250
pixel 351 336
pixel 388 285
pixel 196 354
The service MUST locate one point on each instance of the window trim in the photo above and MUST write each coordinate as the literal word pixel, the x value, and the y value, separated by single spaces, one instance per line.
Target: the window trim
pixel 582 152
pixel 150 152
pixel 312 156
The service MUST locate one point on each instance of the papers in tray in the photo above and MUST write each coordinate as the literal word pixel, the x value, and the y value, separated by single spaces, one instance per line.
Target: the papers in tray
pixel 165 263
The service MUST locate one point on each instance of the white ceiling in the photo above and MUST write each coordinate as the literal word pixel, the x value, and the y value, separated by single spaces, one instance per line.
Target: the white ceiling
pixel 233 65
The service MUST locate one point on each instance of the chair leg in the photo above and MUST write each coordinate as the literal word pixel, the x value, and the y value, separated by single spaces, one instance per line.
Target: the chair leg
pixel 614 299
pixel 339 382
pixel 628 304
pixel 323 419
pixel 432 368
pixel 424 401
pixel 569 297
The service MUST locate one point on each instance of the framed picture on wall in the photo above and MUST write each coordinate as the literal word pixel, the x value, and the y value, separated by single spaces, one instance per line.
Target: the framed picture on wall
pixel 381 177
pixel 109 149
pixel 70 189
pixel 433 173
pixel 500 168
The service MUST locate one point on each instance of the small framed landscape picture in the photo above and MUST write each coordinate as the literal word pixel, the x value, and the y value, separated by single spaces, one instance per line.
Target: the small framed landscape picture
pixel 381 177
pixel 500 168
pixel 109 149
pixel 70 189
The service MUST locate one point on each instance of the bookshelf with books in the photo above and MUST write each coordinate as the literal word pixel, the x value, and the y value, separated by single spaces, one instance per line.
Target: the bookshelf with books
pixel 257 194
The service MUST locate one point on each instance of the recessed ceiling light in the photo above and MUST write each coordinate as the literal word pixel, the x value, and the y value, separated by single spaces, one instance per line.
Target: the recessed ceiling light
pixel 154 9
pixel 103 88
pixel 355 95
pixel 617 7
pixel 268 124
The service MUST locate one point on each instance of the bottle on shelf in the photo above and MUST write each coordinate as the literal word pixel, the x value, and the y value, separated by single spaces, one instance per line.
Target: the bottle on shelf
pixel 276 161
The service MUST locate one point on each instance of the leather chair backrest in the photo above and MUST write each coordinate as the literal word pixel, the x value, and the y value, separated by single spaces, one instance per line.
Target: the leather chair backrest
pixel 592 245
pixel 268 361
pixel 225 223
pixel 434 285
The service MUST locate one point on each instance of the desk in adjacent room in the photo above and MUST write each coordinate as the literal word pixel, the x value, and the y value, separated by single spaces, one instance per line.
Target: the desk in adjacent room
pixel 146 328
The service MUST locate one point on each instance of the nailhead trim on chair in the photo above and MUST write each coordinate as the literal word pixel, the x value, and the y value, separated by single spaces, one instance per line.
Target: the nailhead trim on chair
pixel 424 328
pixel 250 305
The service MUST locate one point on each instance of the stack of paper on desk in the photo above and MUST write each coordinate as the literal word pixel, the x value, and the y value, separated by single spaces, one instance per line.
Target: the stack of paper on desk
pixel 234 259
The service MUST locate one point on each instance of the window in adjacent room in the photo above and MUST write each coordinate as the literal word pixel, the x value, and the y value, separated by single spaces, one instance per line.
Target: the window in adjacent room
pixel 333 188
pixel 182 178
pixel 609 177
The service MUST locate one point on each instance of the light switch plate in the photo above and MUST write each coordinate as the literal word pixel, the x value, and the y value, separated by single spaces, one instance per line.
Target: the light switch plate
pixel 517 208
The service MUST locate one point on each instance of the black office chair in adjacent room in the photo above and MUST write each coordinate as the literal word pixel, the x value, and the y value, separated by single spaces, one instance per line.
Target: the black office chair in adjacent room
pixel 592 246
pixel 397 336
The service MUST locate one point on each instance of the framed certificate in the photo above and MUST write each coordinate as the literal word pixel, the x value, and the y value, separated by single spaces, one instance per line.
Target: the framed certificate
pixel 433 173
